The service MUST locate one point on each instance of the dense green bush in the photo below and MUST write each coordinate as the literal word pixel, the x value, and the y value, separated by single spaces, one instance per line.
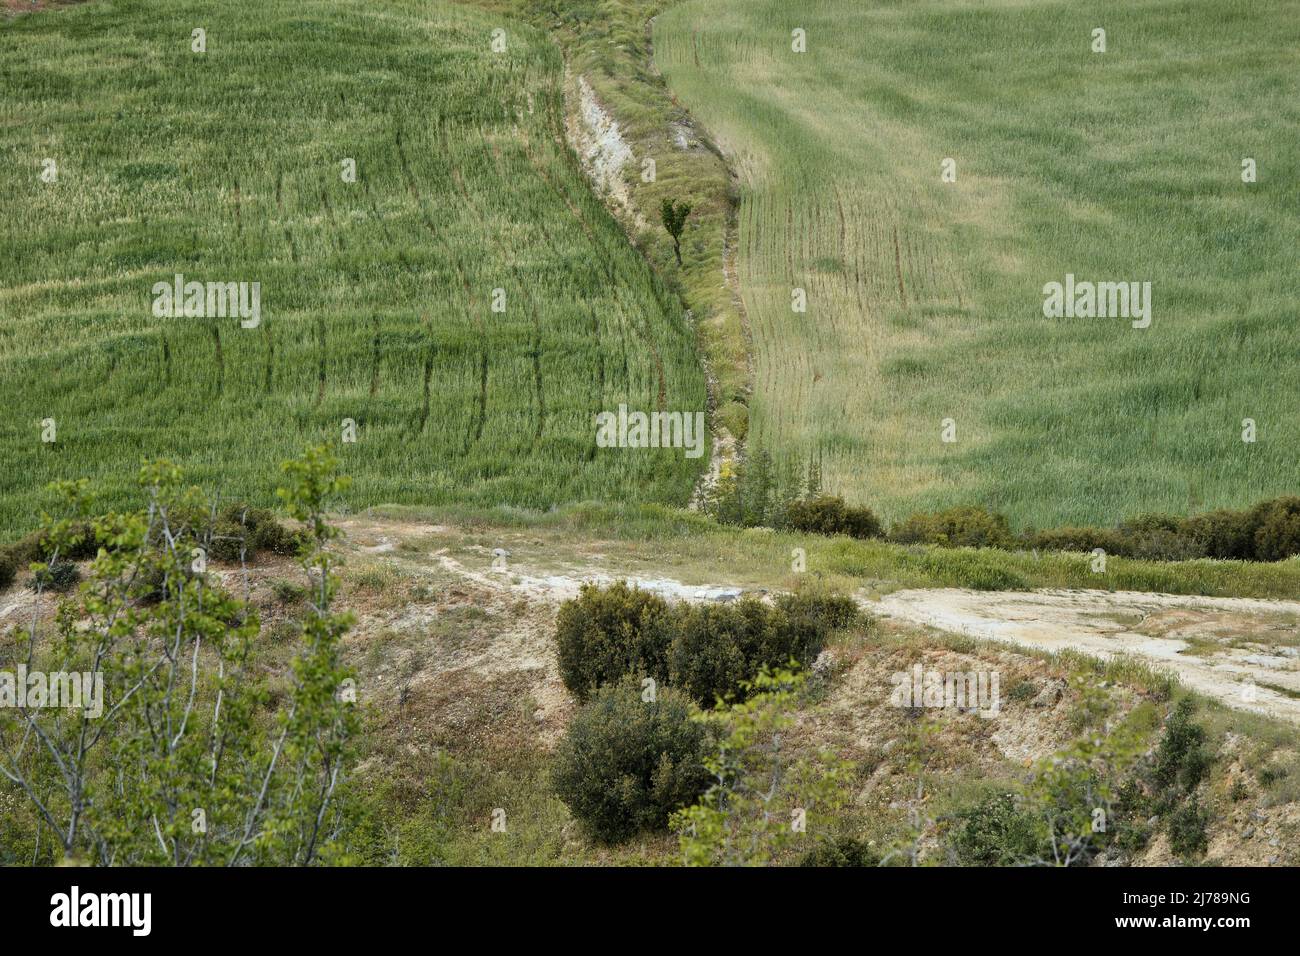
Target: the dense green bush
pixel 1180 760
pixel 964 527
pixel 1187 823
pixel 1078 539
pixel 605 633
pixel 240 529
pixel 264 531
pixel 717 647
pixel 827 611
pixel 228 540
pixel 708 655
pixel 994 832
pixel 61 577
pixel 624 763
pixel 79 544
pixel 828 514
pixel 1224 534
pixel 1163 789
pixel 756 492
pixel 1277 529
pixel 1157 537
pixel 706 650
pixel 840 851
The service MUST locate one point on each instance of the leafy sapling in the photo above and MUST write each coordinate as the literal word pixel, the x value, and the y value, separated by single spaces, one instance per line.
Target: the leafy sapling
pixel 674 217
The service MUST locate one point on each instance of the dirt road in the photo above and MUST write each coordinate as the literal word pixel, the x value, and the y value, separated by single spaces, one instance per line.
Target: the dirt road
pixel 1240 651
pixel 1243 652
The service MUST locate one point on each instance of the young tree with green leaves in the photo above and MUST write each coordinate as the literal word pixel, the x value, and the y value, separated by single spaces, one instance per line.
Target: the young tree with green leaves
pixel 763 801
pixel 674 218
pixel 181 760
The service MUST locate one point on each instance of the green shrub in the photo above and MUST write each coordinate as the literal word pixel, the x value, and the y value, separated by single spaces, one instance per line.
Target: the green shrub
pixel 1079 539
pixel 964 527
pixel 228 541
pixel 61 577
pixel 707 658
pixel 625 764
pixel 605 633
pixel 1277 532
pixel 705 650
pixel 80 545
pixel 718 647
pixel 1187 825
pixel 994 832
pixel 1132 809
pixel 841 851
pixel 828 611
pixel 288 592
pixel 1157 537
pixel 1180 760
pixel 828 514
pixel 1224 534
pixel 265 532
pixel 257 528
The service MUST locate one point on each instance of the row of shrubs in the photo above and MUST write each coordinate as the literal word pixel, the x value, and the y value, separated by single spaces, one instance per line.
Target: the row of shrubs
pixel 705 650
pixel 235 529
pixel 1270 531
pixel 755 492
pixel 632 755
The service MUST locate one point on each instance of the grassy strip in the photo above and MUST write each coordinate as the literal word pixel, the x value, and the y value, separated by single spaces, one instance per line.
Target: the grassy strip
pixel 699 550
pixel 607 43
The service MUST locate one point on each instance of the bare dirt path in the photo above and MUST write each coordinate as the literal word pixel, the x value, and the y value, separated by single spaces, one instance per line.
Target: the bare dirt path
pixel 1242 652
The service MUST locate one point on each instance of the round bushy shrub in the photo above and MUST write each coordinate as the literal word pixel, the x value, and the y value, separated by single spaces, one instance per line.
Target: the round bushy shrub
pixel 963 527
pixel 605 633
pixel 994 832
pixel 1277 534
pixel 841 851
pixel 1224 534
pixel 715 647
pixel 79 543
pixel 229 539
pixel 625 764
pixel 826 514
pixel 1157 537
pixel 719 647
pixel 708 650
pixel 1187 824
pixel 829 612
pixel 1079 539
pixel 264 531
pixel 61 577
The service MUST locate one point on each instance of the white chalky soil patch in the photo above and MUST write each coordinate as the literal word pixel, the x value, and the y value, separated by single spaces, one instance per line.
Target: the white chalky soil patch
pixel 1106 624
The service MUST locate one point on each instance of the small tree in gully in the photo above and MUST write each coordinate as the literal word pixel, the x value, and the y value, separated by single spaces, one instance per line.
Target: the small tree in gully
pixel 674 217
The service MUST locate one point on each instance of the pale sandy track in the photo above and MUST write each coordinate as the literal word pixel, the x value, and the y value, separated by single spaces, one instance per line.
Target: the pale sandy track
pixel 1240 651
pixel 1234 642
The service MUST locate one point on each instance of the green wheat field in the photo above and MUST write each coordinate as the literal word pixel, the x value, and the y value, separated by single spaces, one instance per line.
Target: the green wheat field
pixel 925 297
pixel 376 296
